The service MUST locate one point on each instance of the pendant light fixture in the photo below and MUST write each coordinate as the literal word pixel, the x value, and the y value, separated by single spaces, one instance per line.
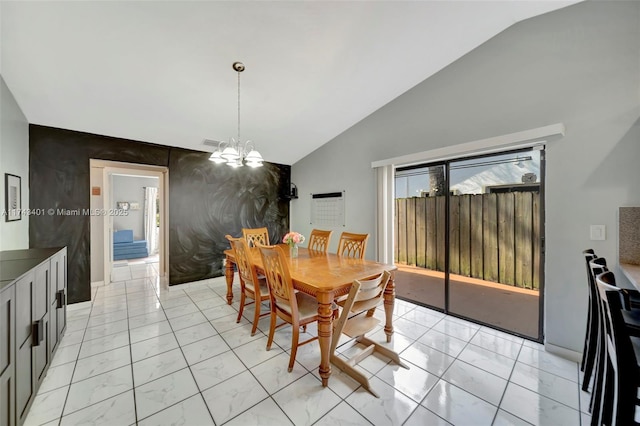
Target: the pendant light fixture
pixel 235 153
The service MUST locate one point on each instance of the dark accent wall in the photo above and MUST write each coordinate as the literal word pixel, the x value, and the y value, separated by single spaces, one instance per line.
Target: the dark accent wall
pixel 206 201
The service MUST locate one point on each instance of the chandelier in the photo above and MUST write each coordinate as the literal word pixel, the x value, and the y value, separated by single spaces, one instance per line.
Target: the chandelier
pixel 235 153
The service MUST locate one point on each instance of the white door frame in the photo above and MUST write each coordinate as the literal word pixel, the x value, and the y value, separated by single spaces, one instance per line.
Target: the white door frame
pixel 111 168
pixel 386 172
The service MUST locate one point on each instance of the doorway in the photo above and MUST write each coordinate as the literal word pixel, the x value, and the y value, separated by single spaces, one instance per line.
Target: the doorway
pixel 468 238
pixel 136 225
pixel 131 238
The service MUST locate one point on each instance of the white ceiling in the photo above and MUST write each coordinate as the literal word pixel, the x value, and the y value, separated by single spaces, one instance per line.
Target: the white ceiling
pixel 161 72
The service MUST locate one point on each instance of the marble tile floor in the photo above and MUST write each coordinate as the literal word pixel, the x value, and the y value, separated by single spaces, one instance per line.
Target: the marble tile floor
pixel 139 354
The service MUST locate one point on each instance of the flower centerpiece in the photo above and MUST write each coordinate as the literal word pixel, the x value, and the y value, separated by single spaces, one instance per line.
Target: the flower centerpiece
pixel 292 239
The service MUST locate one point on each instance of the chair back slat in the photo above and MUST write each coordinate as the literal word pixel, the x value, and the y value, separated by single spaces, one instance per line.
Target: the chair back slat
pixel 246 269
pixel 352 245
pixel 364 295
pixel 319 240
pixel 276 270
pixel 589 256
pixel 256 236
pixel 353 322
pixel 370 293
pixel 372 289
pixel 598 266
pixel 285 302
pixel 589 351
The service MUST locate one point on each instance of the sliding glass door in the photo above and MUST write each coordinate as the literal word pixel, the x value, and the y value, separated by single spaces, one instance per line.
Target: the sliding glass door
pixel 420 237
pixel 468 238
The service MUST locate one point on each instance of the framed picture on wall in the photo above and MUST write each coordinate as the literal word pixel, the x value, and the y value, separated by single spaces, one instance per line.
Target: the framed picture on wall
pixel 13 197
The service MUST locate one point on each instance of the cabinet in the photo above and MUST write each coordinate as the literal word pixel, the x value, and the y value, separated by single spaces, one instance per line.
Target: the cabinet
pixel 33 311
pixel 7 356
pixel 24 361
pixel 57 299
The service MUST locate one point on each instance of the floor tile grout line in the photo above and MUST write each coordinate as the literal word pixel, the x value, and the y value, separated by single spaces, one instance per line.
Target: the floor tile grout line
pixel 547 371
pixel 96 403
pixel 418 403
pixel 547 396
pixel 504 392
pixel 412 340
pixel 74 366
pixel 456 358
pixel 516 360
pixel 130 364
pixel 188 365
pixel 133 378
pixel 270 395
pixel 440 377
pixel 172 404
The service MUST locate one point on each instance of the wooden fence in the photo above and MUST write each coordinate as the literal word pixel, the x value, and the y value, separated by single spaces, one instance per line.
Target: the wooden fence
pixel 493 237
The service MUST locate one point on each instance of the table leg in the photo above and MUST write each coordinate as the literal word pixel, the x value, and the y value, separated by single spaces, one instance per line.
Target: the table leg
pixel 325 332
pixel 389 300
pixel 228 273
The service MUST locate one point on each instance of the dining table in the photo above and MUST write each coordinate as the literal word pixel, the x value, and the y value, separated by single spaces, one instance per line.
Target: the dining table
pixel 325 276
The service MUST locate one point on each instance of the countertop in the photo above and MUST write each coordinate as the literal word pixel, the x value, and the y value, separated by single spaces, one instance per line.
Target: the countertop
pixel 15 263
pixel 632 272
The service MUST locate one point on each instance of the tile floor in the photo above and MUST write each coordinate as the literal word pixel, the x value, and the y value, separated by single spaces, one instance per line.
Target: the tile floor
pixel 141 354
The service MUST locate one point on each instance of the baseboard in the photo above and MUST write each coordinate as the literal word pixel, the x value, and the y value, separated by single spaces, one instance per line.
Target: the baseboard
pixel 97 284
pixel 197 284
pixel 190 284
pixel 221 280
pixel 563 352
pixel 79 305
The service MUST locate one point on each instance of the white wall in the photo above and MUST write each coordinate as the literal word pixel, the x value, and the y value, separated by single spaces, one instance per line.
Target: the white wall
pixel 131 190
pixel 579 66
pixel 14 159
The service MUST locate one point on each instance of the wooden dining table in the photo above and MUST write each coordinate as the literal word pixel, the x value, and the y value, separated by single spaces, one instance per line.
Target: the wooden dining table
pixel 324 276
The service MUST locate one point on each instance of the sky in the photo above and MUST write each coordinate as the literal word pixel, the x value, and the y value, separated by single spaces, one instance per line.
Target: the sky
pixel 472 176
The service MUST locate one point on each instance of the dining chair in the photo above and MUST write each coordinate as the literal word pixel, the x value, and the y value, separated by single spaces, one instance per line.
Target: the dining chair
pixel 352 245
pixel 630 297
pixel 630 311
pixel 252 286
pixel 591 333
pixel 364 296
pixel 295 308
pixel 631 320
pixel 617 396
pixel 255 236
pixel 319 240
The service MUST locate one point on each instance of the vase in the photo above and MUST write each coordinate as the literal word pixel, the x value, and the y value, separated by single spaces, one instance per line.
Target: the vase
pixel 293 251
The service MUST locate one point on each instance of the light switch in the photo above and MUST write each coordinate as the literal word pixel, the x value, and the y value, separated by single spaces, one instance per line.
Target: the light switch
pixel 598 232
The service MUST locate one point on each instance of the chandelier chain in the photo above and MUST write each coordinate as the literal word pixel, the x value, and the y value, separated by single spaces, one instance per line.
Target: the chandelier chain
pixel 235 153
pixel 238 107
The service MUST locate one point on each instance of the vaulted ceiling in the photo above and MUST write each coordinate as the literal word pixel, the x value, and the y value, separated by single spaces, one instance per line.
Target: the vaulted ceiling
pixel 161 72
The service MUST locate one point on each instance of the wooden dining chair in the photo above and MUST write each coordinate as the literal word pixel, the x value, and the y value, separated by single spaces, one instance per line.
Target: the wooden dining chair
pixel 319 240
pixel 295 308
pixel 255 236
pixel 352 245
pixel 252 286
pixel 364 296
